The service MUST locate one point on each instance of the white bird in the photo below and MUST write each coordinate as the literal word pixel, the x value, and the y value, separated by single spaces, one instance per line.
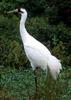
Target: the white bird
pixel 37 53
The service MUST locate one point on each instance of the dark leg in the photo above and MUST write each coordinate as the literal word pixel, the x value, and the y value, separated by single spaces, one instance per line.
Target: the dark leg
pixel 36 85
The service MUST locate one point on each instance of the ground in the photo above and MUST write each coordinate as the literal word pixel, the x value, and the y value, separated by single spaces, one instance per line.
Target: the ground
pixel 19 84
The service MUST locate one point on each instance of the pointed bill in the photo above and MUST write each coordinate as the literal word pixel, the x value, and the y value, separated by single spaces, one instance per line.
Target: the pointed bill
pixel 13 11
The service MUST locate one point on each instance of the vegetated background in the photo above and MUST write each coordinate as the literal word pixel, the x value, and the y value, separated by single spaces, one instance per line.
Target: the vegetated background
pixel 49 21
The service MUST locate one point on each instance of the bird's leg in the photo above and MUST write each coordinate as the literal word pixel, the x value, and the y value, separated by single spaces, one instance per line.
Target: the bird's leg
pixel 36 84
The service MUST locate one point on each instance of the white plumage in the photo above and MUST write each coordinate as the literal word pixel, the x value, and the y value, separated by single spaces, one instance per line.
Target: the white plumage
pixel 37 53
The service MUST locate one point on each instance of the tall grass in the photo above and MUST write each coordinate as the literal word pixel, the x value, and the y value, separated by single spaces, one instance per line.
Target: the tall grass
pixel 20 85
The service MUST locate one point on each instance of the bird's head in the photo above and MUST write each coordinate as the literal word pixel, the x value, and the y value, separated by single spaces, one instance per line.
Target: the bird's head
pixel 21 11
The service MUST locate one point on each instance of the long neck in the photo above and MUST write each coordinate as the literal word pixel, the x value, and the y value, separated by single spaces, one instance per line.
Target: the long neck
pixel 23 30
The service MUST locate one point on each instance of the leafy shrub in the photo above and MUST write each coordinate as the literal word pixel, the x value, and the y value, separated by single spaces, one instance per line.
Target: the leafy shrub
pixel 11 52
pixel 16 55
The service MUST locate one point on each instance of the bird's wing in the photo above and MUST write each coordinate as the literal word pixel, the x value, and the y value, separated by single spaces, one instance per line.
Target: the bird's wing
pixel 37 46
pixel 36 57
pixel 37 53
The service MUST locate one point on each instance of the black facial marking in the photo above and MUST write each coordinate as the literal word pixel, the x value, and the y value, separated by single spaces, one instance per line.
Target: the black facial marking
pixel 20 10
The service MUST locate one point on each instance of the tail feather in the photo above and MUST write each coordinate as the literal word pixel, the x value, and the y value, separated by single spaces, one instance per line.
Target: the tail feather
pixel 54 66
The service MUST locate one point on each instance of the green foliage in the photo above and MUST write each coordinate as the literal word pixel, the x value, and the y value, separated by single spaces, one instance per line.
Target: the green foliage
pixel 16 56
pixel 11 51
pixel 36 7
pixel 6 5
pixel 37 27
pixel 20 85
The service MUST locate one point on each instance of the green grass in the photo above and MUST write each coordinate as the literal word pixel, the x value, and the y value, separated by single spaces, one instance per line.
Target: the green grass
pixel 20 85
